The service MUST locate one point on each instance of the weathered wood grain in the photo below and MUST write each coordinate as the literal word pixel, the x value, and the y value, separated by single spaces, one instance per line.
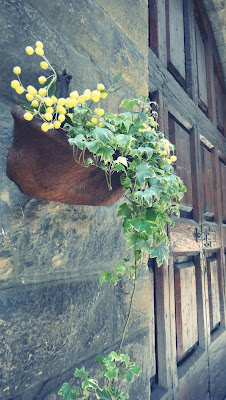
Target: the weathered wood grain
pixel 213 288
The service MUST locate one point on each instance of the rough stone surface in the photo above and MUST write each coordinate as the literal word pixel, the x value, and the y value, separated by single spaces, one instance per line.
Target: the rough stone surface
pixel 55 316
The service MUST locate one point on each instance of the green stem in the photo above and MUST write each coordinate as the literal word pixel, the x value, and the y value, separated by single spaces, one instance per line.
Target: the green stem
pixel 130 307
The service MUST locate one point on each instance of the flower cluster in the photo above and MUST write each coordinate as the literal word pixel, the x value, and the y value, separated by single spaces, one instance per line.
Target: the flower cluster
pixel 49 107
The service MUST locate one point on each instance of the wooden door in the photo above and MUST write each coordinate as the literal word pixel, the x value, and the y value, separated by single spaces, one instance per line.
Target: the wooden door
pixel 190 337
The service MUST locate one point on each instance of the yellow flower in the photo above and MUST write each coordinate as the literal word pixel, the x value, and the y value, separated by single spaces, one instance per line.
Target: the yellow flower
pixel 43 65
pixel 88 123
pixel 56 124
pixel 173 158
pixel 48 116
pixel 41 79
pixel 70 115
pixel 39 51
pixel 94 120
pixel 101 125
pixel 74 95
pixel 162 166
pixel 87 91
pixel 45 127
pixel 61 101
pixel 28 116
pixel 31 90
pixel 42 92
pixel 103 95
pixel 50 110
pixel 29 50
pixel 61 109
pixel 17 70
pixel 15 84
pixel 100 86
pixel 19 90
pixel 100 112
pixel 74 103
pixel 68 102
pixel 54 99
pixel 165 152
pixel 81 99
pixel 169 161
pixel 61 118
pixel 29 97
pixel 39 44
pixel 34 103
pixel 86 96
pixel 95 96
pixel 48 101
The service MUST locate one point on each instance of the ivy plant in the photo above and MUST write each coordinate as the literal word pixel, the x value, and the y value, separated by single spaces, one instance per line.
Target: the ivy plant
pixel 127 143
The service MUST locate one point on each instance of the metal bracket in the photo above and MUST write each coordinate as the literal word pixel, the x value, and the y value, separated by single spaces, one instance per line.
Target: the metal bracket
pixel 207 236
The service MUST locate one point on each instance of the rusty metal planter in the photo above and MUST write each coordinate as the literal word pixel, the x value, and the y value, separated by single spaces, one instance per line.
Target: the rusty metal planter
pixel 42 165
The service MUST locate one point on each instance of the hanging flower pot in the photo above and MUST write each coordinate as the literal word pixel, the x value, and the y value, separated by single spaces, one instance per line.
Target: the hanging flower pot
pixel 42 165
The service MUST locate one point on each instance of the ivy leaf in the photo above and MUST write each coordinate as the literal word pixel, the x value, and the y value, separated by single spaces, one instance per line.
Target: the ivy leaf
pixel 106 276
pixel 125 358
pixel 103 394
pixel 129 103
pixel 81 373
pixel 93 146
pixel 147 195
pixel 125 181
pixel 67 392
pixel 120 268
pixel 78 141
pixel 106 153
pixel 143 172
pixel 102 134
pixel 136 370
pixel 111 373
pixel 119 167
pixel 144 245
pixel 130 240
pixel 121 160
pixel 129 376
pixel 122 140
pixel 91 382
pixel 146 150
pixel 161 253
pixel 124 211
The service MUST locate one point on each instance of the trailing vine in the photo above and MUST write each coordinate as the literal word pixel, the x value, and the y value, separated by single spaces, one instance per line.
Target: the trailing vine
pixel 130 144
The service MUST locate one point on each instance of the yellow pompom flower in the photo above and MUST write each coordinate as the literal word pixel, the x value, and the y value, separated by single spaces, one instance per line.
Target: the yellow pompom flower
pixel 86 96
pixel 100 86
pixel 42 92
pixel 169 161
pixel 29 50
pixel 68 102
pixel 56 124
pixel 173 158
pixel 61 101
pixel 81 99
pixel 42 79
pixel 165 152
pixel 74 103
pixel 20 90
pixel 87 91
pixel 88 123
pixel 48 101
pixel 51 126
pixel 61 118
pixel 39 51
pixel 34 103
pixel 28 116
pixel 29 97
pixel 94 120
pixel 15 84
pixel 39 44
pixel 43 65
pixel 70 115
pixel 54 99
pixel 95 96
pixel 17 70
pixel 74 95
pixel 100 112
pixel 31 90
pixel 101 125
pixel 103 95
pixel 61 109
pixel 45 126
pixel 50 110
pixel 48 116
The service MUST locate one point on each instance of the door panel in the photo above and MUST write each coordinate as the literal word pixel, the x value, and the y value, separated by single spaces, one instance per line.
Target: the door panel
pixel 213 292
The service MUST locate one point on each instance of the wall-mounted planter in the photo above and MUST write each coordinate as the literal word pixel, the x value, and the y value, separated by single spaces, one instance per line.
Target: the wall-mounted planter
pixel 42 165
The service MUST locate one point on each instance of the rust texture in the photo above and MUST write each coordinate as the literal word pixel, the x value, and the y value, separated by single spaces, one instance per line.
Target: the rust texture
pixel 42 165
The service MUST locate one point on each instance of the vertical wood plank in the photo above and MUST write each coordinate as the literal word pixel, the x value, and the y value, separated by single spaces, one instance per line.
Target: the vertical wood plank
pixel 201 67
pixel 213 290
pixel 153 26
pixel 186 307
pixel 223 189
pixel 176 36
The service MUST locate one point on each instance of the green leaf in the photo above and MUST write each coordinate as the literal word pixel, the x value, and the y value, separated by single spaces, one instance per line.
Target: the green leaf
pixel 130 240
pixel 111 373
pixel 119 167
pixel 89 162
pixel 125 181
pixel 122 140
pixel 106 153
pixel 121 160
pixel 117 77
pixel 125 359
pixel 68 393
pixel 90 382
pixel 93 146
pixel 27 108
pixel 52 89
pixel 102 134
pixel 143 172
pixel 144 245
pixel 136 370
pixel 124 211
pixel 105 277
pixel 161 253
pixel 129 103
pixel 78 141
pixel 146 150
pixel 120 268
pixel 81 373
pixel 129 376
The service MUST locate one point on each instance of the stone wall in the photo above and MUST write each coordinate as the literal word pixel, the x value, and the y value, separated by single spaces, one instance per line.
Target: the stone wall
pixel 54 315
